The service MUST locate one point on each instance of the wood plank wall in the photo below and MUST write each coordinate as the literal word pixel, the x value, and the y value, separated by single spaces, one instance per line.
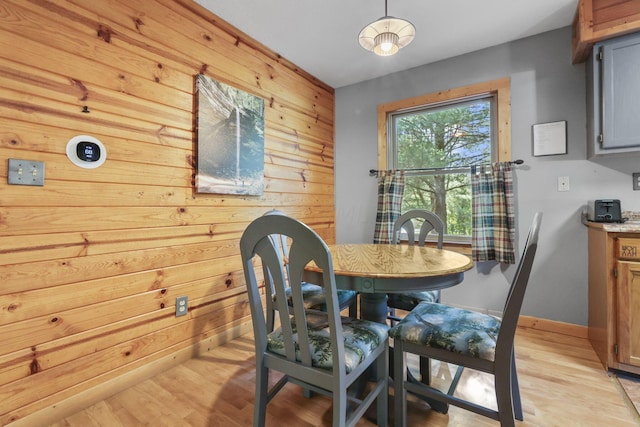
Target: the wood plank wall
pixel 91 263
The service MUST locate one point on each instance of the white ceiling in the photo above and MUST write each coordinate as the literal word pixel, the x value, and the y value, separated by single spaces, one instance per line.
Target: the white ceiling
pixel 321 36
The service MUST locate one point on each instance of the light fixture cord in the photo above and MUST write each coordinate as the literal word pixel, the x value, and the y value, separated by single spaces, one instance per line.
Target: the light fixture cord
pixel 385 8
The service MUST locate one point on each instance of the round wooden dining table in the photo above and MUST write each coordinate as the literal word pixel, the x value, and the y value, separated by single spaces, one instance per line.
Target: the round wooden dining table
pixel 375 270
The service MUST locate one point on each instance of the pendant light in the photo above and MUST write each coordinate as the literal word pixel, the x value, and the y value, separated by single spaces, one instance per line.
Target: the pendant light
pixel 387 35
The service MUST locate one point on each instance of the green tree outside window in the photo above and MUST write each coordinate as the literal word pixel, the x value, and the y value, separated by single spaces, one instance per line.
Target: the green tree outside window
pixel 450 137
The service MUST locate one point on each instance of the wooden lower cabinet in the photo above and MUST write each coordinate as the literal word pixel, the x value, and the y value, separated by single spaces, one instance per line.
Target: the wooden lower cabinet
pixel 628 297
pixel 614 298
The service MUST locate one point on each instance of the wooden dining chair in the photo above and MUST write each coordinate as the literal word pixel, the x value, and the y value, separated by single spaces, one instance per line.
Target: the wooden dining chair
pixel 430 223
pixel 317 350
pixel 313 295
pixel 466 338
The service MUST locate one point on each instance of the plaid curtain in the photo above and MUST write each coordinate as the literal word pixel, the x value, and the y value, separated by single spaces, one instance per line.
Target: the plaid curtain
pixel 390 190
pixel 493 225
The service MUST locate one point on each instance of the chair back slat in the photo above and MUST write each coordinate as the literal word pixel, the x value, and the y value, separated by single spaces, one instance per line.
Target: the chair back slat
pixel 280 243
pixel 275 278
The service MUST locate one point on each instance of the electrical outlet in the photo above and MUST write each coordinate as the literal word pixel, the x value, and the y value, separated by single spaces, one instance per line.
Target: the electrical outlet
pixel 182 306
pixel 636 180
pixel 563 183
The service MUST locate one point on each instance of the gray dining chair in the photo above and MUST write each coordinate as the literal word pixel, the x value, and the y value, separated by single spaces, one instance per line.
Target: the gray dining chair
pixel 430 223
pixel 317 350
pixel 466 338
pixel 312 294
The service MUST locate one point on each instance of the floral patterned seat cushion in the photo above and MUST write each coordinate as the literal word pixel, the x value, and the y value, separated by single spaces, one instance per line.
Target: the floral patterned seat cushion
pixel 361 338
pixel 450 328
pixel 315 299
pixel 409 300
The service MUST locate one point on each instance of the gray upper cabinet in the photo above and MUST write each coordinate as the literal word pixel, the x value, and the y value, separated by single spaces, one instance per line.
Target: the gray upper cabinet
pixel 613 97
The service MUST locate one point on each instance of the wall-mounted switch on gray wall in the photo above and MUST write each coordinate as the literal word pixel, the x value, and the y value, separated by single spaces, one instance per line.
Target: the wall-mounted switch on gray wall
pixel 636 180
pixel 25 172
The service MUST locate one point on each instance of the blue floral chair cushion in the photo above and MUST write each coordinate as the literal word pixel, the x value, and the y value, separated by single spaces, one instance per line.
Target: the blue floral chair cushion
pixel 315 299
pixel 450 328
pixel 409 300
pixel 361 337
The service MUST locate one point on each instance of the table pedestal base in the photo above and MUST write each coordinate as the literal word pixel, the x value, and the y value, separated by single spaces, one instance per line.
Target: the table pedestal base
pixel 373 307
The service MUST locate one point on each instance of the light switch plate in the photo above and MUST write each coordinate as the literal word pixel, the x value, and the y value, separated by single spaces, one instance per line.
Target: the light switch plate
pixel 25 172
pixel 636 180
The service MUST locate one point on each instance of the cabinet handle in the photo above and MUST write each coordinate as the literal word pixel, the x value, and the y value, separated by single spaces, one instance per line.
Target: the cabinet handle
pixel 601 95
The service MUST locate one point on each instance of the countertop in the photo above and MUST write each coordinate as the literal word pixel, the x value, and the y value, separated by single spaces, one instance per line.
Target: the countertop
pixel 632 225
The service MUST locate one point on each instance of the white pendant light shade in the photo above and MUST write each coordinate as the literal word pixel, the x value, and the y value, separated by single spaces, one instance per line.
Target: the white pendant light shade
pixel 386 44
pixel 387 35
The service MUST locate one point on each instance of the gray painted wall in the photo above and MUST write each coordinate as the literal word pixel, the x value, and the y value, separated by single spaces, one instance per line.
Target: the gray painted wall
pixel 545 87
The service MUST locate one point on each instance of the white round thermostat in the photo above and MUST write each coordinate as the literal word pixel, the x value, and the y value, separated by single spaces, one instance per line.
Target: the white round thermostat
pixel 86 151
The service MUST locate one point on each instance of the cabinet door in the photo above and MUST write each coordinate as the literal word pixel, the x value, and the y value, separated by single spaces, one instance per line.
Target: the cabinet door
pixel 620 65
pixel 628 297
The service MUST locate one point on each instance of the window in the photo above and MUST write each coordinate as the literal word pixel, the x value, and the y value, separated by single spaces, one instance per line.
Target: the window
pixel 442 134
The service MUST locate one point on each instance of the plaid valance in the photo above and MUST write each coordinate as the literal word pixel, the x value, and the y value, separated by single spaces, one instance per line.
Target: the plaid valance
pixel 390 191
pixel 493 225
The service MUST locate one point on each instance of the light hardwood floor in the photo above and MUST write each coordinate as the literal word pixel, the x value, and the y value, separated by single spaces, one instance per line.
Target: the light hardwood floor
pixel 561 381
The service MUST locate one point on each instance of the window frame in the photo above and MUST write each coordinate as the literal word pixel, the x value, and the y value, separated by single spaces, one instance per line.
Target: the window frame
pixel 499 88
